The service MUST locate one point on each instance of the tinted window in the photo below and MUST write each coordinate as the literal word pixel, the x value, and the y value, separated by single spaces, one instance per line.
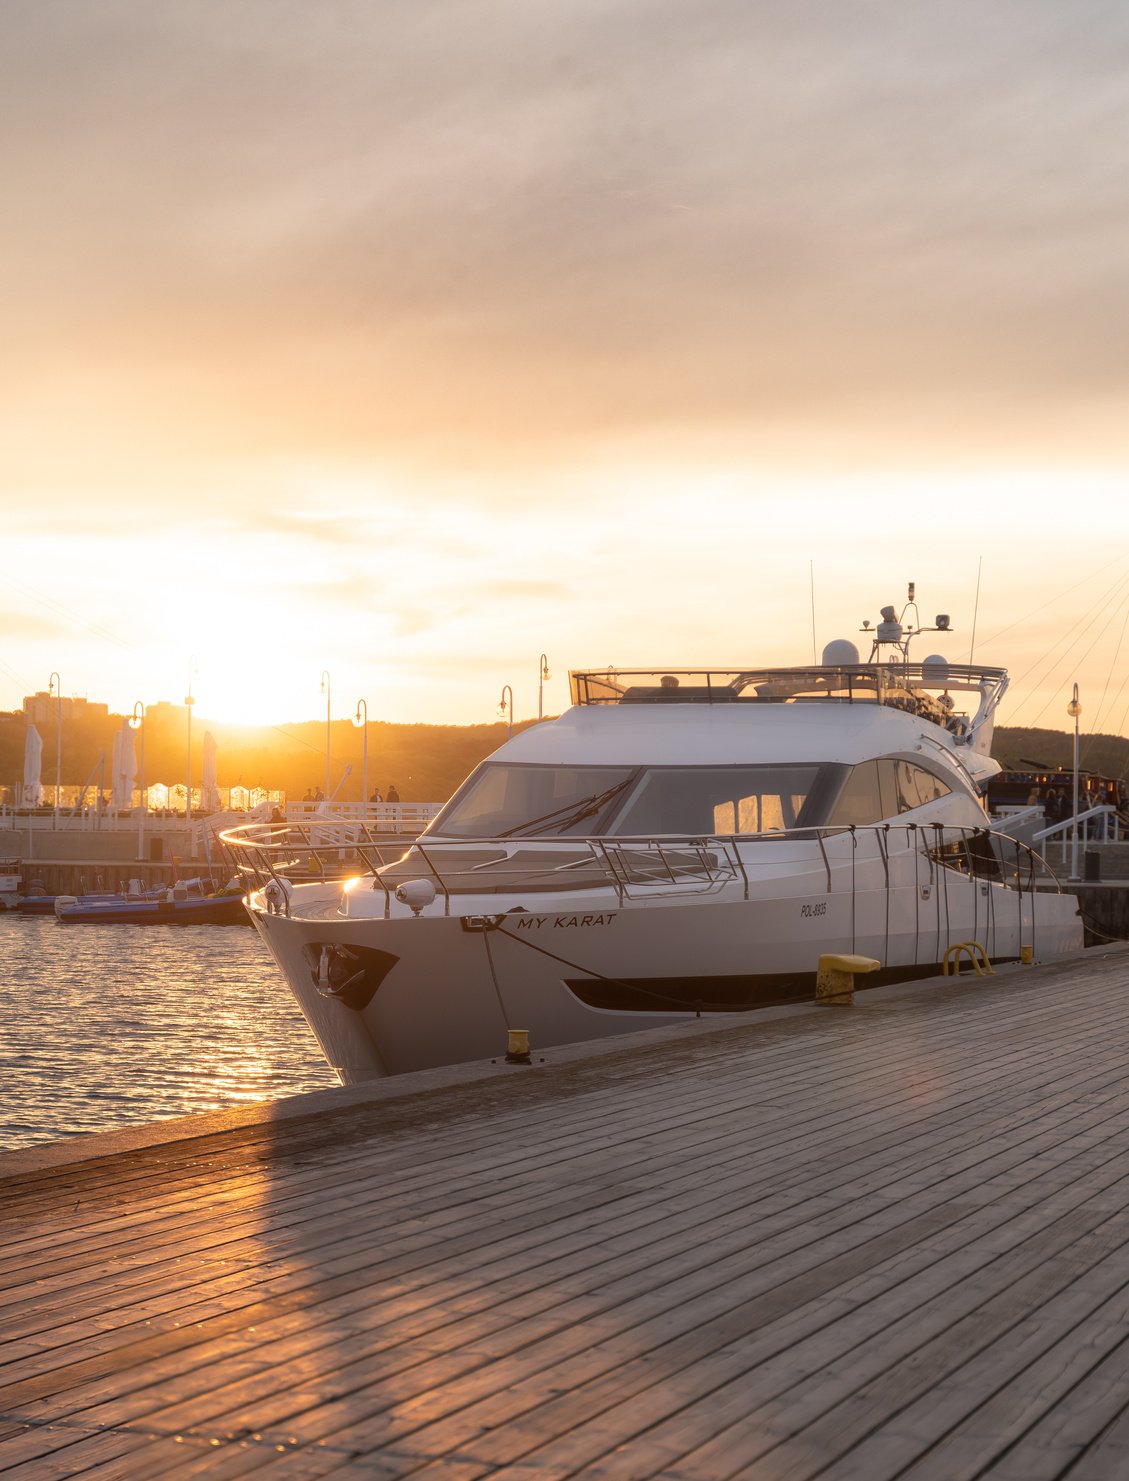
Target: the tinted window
pixel 702 800
pixel 916 786
pixel 875 790
pixel 860 801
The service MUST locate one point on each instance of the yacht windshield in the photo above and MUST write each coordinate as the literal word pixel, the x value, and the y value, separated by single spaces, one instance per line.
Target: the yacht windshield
pixel 501 801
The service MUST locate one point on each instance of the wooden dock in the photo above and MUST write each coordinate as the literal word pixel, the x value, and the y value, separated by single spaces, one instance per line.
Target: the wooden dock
pixel 889 1240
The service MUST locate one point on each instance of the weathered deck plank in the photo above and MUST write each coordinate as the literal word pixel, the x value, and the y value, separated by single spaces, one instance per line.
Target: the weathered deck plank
pixel 854 1242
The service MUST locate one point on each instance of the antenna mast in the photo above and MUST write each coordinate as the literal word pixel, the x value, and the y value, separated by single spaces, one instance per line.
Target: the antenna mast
pixel 975 608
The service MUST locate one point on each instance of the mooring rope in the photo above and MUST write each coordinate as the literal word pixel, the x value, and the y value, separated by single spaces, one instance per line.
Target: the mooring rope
pixel 1093 930
pixel 494 977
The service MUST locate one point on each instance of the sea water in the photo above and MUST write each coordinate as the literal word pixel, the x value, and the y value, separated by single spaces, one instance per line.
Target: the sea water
pixel 102 1026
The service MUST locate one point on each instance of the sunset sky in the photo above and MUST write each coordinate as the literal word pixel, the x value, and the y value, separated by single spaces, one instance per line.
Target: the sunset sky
pixel 408 341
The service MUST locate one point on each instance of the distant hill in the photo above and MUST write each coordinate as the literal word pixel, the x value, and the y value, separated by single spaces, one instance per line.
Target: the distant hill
pixel 1017 747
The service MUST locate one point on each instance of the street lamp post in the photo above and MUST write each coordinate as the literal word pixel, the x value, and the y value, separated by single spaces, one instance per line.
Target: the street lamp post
pixel 188 703
pixel 325 691
pixel 507 714
pixel 541 677
pixel 55 686
pixel 361 719
pixel 137 722
pixel 1074 709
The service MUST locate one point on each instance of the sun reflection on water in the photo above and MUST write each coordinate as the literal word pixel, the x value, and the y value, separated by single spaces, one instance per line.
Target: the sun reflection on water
pixel 110 1025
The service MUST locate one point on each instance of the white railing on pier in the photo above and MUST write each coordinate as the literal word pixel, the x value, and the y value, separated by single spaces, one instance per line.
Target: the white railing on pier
pixel 1096 825
pixel 405 819
pixel 1013 813
pixel 89 820
pixel 205 831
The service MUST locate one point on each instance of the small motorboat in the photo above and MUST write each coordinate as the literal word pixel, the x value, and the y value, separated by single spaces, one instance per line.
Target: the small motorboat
pixel 184 903
pixel 38 902
pixel 9 883
pixel 45 904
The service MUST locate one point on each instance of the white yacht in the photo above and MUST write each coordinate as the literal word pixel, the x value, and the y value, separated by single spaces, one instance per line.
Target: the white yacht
pixel 678 843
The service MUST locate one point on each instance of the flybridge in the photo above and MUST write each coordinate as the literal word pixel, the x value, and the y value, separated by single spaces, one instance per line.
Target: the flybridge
pixel 922 689
pixel 888 678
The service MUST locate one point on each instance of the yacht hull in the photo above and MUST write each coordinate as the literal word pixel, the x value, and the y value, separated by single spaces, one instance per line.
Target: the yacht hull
pixel 389 995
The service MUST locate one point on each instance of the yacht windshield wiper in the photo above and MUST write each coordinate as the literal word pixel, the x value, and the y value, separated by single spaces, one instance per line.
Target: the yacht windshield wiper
pixel 568 814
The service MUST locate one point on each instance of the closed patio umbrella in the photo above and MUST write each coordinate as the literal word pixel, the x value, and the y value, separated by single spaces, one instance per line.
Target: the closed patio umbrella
pixel 33 763
pixel 209 792
pixel 123 770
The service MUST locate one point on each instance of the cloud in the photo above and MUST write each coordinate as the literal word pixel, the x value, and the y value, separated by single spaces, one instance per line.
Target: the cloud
pixel 436 237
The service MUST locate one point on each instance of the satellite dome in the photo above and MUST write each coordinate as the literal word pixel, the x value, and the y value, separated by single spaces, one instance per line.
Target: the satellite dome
pixel 840 651
pixel 935 669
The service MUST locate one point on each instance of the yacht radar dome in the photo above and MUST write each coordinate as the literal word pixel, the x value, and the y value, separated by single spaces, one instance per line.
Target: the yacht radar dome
pixel 840 652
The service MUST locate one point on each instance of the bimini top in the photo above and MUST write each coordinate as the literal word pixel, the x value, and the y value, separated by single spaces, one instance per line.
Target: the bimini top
pixel 922 689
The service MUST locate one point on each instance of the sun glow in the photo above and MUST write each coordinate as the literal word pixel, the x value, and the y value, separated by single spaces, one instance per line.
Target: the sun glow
pixel 425 609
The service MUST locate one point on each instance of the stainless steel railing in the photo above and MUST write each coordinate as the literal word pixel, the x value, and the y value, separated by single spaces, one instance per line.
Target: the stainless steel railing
pixel 633 868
